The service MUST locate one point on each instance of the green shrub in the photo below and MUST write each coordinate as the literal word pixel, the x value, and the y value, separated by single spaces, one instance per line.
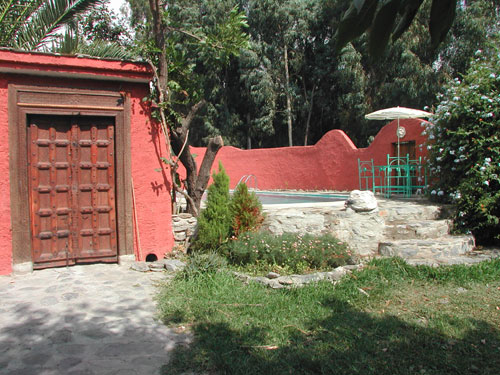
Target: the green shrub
pixel 246 211
pixel 465 158
pixel 294 252
pixel 214 222
pixel 203 264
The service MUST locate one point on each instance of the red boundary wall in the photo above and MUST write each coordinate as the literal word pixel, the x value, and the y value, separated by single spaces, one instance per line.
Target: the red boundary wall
pixel 331 164
pixel 151 188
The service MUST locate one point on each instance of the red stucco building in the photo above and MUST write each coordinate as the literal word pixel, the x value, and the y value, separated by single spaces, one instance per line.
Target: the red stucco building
pixel 80 159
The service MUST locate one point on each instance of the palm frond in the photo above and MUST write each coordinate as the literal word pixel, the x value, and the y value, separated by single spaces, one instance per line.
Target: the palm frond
pixel 110 50
pixel 13 14
pixel 43 23
pixel 66 44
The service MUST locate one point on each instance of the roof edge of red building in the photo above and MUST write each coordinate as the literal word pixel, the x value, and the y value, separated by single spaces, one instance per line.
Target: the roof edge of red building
pixel 73 66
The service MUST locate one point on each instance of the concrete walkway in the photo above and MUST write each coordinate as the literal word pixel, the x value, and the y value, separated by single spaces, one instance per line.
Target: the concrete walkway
pixel 92 319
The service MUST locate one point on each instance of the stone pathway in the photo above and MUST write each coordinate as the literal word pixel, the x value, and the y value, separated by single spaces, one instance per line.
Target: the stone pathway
pixel 83 320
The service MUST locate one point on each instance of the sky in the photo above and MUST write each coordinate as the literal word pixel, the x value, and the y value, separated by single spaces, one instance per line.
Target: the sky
pixel 115 5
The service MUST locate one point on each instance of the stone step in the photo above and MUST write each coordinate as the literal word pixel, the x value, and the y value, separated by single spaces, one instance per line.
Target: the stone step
pixel 472 257
pixel 410 212
pixel 449 246
pixel 423 229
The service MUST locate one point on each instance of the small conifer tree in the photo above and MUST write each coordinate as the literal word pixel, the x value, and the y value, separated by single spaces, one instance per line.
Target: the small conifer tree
pixel 214 222
pixel 246 211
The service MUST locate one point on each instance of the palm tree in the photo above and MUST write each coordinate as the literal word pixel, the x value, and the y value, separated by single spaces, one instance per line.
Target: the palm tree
pixel 32 24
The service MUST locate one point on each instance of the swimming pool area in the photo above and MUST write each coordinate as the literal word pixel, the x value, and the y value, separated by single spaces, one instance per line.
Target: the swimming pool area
pixel 293 198
pixel 290 198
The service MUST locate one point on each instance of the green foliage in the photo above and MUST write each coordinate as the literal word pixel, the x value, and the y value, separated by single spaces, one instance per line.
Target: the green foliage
pixel 102 24
pixel 202 264
pixel 465 158
pixel 201 38
pixel 295 252
pixel 389 18
pixel 31 24
pixel 214 222
pixel 246 211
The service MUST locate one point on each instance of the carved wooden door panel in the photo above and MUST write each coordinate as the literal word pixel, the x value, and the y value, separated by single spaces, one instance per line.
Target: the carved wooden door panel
pixel 72 190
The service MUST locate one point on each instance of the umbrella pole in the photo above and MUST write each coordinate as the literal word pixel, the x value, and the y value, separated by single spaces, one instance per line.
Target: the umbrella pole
pixel 397 136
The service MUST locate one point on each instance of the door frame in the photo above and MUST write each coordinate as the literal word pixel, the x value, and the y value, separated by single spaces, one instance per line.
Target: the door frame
pixel 42 100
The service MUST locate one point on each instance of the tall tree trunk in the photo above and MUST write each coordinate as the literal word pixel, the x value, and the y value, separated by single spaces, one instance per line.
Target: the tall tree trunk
pixel 196 181
pixel 309 115
pixel 288 97
pixel 249 139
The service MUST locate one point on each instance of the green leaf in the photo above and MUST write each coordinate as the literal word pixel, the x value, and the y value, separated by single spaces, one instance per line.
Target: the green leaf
pixel 442 16
pixel 410 10
pixel 382 28
pixel 355 21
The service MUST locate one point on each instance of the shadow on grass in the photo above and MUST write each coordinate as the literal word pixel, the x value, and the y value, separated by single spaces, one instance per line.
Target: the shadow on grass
pixel 349 341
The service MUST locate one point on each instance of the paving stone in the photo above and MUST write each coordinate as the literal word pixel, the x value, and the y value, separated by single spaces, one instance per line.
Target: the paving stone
pixel 37 358
pixel 81 372
pixel 70 349
pixel 23 371
pixel 100 331
pixel 126 371
pixel 62 336
pixel 69 296
pixel 68 362
pixel 140 266
pixel 49 301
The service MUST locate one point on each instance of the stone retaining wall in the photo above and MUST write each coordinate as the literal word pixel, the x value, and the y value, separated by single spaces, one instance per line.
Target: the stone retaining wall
pixel 183 226
pixel 363 231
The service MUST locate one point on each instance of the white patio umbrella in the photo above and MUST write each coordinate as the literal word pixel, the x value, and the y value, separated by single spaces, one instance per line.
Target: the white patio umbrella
pixel 396 113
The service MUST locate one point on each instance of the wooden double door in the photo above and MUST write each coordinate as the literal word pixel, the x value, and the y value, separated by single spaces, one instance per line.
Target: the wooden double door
pixel 71 172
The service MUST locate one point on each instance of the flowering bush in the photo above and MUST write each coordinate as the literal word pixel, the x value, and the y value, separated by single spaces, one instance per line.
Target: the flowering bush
pixel 465 158
pixel 295 252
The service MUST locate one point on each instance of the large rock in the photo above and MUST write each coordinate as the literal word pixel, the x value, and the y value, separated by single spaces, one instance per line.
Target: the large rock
pixel 361 201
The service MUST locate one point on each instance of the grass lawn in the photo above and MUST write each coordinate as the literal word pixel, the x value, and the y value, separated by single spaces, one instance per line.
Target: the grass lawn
pixel 389 318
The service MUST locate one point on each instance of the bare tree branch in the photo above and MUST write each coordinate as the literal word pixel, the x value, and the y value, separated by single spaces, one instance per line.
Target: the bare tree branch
pixel 186 121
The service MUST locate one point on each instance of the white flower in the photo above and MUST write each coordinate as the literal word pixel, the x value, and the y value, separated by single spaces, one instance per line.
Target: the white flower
pixel 440 193
pixel 487 183
pixel 452 152
pixel 433 192
pixel 492 75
